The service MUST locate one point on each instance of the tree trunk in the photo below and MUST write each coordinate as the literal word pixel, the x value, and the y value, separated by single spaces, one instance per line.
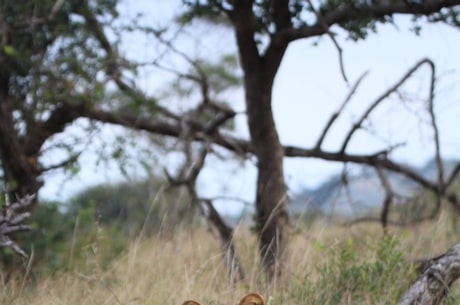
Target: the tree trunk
pixel 20 169
pixel 259 73
pixel 271 200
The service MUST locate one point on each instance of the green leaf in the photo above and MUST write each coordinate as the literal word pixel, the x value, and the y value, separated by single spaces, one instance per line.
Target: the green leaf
pixel 9 50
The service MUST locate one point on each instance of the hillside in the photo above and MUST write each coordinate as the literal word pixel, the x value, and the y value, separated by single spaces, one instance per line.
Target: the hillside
pixel 362 193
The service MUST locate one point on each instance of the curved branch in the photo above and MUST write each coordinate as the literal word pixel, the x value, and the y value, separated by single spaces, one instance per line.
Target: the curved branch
pixel 385 95
pixel 434 282
pixel 335 115
pixel 435 126
pixel 453 175
pixel 321 21
pixel 244 147
pixel 60 117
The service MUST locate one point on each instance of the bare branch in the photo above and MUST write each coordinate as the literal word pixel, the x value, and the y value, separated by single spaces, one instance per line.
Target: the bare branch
pixel 11 219
pixel 388 197
pixel 336 114
pixel 434 282
pixel 230 198
pixel 6 242
pixel 243 146
pixel 56 7
pixel 435 127
pixel 453 175
pixel 325 26
pixel 69 161
pixel 232 260
pixel 188 176
pixel 385 95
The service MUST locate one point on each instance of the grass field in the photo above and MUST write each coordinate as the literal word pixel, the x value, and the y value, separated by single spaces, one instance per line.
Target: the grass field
pixel 328 265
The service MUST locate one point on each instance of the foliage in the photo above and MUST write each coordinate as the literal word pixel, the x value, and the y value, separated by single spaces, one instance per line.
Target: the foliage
pixel 357 27
pixel 47 64
pixel 98 220
pixel 135 208
pixel 345 277
pixel 63 241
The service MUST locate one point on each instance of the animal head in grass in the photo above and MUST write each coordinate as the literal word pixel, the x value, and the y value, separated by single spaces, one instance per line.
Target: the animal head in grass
pixel 252 299
pixel 191 303
pixel 249 299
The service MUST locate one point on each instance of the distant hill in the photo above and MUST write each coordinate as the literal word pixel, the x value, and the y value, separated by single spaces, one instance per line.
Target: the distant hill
pixel 362 194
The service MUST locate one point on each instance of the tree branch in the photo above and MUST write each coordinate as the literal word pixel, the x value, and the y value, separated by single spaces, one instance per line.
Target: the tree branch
pixel 385 95
pixel 336 114
pixel 388 197
pixel 346 12
pixel 243 146
pixel 11 221
pixel 322 22
pixel 434 282
pixel 244 23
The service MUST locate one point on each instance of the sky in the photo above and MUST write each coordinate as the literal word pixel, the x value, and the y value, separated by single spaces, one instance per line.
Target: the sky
pixel 307 90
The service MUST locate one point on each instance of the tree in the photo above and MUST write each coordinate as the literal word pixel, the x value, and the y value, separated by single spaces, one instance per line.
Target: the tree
pixel 61 58
pixel 263 31
pixel 44 83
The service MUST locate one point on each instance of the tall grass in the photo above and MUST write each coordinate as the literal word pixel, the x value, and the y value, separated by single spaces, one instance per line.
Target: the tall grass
pixel 328 265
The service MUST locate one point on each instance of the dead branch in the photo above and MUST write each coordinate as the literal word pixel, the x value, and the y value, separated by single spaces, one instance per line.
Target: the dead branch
pixel 435 280
pixel 188 177
pixel 453 175
pixel 381 98
pixel 190 125
pixel 244 147
pixel 325 26
pixel 436 136
pixel 232 261
pixel 11 221
pixel 336 114
pixel 55 9
pixel 388 197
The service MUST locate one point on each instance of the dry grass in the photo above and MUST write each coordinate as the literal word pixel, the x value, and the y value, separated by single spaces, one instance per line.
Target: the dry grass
pixel 188 266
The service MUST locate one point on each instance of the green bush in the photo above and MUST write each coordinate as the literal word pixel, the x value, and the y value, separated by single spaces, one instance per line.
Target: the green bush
pixel 136 208
pixel 344 279
pixel 62 241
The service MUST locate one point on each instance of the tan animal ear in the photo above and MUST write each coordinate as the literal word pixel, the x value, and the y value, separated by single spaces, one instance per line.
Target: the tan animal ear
pixel 189 302
pixel 252 299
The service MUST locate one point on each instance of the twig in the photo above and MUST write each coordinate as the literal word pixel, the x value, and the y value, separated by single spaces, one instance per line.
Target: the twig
pixel 385 95
pixel 336 114
pixel 388 197
pixel 56 7
pixel 11 218
pixel 325 26
pixel 453 175
pixel 436 137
